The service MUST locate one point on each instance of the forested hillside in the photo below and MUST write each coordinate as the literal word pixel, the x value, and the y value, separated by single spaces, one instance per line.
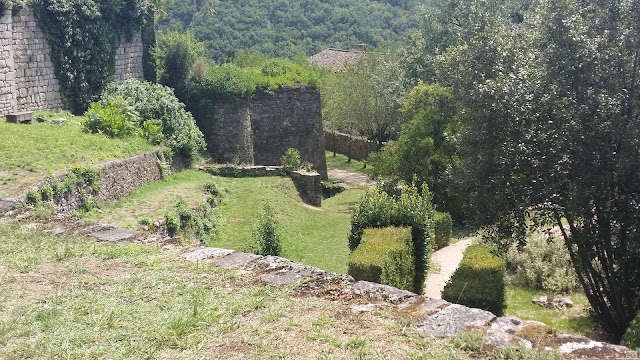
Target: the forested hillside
pixel 287 28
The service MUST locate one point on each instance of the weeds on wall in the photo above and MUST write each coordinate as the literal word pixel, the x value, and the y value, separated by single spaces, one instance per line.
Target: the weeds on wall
pixel 82 181
pixel 84 36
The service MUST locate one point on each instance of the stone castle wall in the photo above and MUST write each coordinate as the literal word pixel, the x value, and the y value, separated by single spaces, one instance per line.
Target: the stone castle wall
pixel 27 76
pixel 257 131
pixel 360 148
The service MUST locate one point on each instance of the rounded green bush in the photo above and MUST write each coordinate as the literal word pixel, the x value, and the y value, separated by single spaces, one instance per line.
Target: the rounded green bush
pixel 631 338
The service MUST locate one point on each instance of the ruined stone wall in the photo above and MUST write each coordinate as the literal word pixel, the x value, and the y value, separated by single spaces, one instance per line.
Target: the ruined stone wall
pixel 27 75
pixel 259 130
pixel 226 126
pixel 360 148
pixel 288 118
pixel 118 179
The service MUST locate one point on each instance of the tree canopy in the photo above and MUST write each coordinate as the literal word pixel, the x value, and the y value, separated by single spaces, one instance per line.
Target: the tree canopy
pixel 286 28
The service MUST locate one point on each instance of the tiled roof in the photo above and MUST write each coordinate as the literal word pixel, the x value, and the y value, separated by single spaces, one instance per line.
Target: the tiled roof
pixel 335 59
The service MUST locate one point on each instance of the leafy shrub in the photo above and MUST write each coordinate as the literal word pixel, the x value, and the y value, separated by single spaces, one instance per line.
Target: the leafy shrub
pixel 113 117
pixel 232 80
pixel 543 264
pixel 291 159
pixel 158 104
pixel 411 208
pixel 32 198
pixel 479 281
pixel 198 223
pixel 266 234
pixel 211 188
pixel 46 192
pixel 172 222
pixel 384 256
pixel 176 53
pixel 631 338
pixel 442 227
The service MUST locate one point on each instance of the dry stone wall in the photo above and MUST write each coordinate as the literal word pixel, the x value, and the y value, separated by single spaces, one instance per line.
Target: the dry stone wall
pixel 27 76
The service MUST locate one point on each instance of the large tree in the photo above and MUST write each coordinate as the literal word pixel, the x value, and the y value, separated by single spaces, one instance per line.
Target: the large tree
pixel 554 136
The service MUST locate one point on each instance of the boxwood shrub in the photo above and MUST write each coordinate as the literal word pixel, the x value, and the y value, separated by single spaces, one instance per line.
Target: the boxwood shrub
pixel 412 208
pixel 479 282
pixel 631 338
pixel 384 256
pixel 442 227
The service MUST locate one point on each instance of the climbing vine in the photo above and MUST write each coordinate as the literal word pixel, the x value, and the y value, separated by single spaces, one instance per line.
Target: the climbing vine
pixel 84 36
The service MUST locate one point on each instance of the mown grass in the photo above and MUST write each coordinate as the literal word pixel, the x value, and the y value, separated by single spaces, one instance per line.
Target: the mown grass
pixel 314 236
pixel 573 320
pixel 67 297
pixel 29 153
pixel 340 162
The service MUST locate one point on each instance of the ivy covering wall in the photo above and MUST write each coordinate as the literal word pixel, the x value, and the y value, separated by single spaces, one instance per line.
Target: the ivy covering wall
pixel 84 36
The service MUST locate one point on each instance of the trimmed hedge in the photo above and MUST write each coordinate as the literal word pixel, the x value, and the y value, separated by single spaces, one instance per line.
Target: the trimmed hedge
pixel 442 228
pixel 479 282
pixel 385 256
pixel 412 208
pixel 631 338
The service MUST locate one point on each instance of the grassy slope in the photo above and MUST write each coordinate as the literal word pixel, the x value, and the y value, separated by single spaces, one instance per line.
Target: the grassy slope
pixel 68 297
pixel 152 201
pixel 65 297
pixel 29 153
pixel 314 236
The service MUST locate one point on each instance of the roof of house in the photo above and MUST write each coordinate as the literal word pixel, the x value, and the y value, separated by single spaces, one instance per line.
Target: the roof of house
pixel 335 59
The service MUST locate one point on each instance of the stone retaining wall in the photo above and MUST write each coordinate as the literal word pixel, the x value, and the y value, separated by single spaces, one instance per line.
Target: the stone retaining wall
pixel 360 148
pixel 27 75
pixel 118 179
pixel 308 184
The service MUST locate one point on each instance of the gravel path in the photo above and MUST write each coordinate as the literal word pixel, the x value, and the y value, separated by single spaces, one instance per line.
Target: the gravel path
pixel 348 177
pixel 448 258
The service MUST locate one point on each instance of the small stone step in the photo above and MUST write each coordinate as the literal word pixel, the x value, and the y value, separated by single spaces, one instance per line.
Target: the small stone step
pixel 21 118
pixel 114 235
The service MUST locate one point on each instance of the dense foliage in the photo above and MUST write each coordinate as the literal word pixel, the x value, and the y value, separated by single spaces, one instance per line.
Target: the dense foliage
pixel 631 338
pixel 549 94
pixel 286 28
pixel 442 228
pixel 428 145
pixel 384 256
pixel 157 108
pixel 233 80
pixel 197 223
pixel 479 281
pixel 84 36
pixel 543 264
pixel 411 208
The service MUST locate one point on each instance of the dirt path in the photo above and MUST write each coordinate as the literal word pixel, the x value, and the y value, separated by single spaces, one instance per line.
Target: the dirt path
pixel 448 259
pixel 348 177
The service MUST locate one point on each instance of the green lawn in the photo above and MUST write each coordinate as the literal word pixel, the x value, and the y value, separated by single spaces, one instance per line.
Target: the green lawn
pixel 314 236
pixel 64 297
pixel 340 162
pixel 572 320
pixel 30 153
